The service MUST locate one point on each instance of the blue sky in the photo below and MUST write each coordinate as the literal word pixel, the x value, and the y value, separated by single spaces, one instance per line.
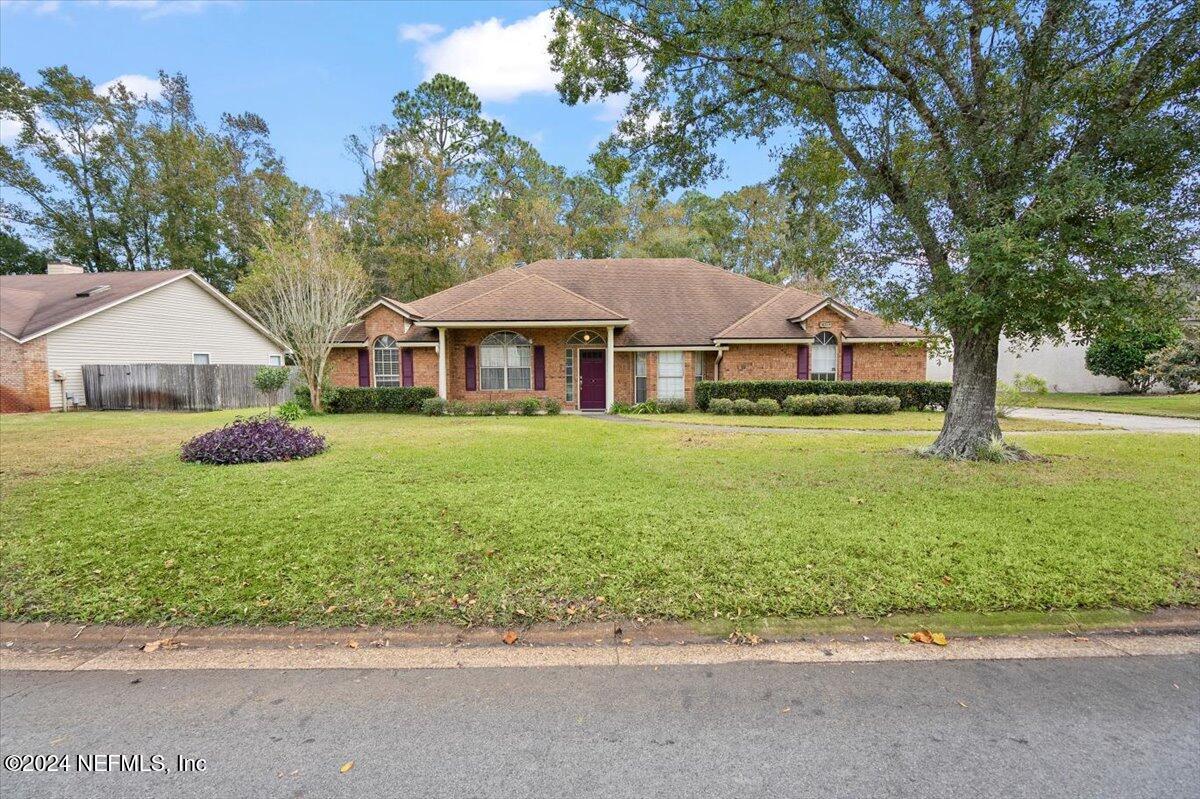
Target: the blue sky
pixel 318 71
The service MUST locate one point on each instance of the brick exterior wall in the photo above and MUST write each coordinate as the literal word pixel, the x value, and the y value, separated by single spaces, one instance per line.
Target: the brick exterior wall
pixel 740 361
pixel 759 362
pixel 554 339
pixel 343 361
pixel 889 361
pixel 778 361
pixel 24 379
pixel 342 367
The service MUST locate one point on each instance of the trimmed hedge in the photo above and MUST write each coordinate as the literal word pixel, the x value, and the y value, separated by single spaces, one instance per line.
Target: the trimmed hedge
pixel 394 399
pixel 914 395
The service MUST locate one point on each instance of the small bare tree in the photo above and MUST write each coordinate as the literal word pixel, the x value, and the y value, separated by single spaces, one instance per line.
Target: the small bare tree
pixel 304 289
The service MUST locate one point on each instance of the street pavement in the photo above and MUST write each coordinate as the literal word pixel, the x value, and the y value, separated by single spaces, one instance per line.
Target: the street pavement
pixel 1071 727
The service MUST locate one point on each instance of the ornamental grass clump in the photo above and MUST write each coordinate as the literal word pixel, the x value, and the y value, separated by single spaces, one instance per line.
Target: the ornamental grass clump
pixel 254 440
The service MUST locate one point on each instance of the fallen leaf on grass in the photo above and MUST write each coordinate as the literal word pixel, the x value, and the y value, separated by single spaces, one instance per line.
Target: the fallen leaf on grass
pixel 349 764
pixel 510 637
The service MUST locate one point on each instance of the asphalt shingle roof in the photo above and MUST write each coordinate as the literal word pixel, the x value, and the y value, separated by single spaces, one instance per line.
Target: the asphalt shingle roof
pixel 670 302
pixel 32 304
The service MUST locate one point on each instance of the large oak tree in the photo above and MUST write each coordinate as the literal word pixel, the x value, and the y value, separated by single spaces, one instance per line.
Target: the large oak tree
pixel 1021 168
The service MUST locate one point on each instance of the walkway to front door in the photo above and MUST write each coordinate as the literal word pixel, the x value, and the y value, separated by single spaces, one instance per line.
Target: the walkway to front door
pixel 591 380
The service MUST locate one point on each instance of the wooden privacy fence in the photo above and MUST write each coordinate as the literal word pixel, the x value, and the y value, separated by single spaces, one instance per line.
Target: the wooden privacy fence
pixel 173 386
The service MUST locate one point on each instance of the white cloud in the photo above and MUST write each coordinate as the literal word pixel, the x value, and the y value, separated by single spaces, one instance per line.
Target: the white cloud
pixel 499 62
pixel 151 9
pixel 612 108
pixel 138 85
pixel 33 6
pixel 10 128
pixel 421 32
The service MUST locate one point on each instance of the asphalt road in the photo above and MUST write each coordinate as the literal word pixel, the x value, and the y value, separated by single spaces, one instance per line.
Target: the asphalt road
pixel 1095 727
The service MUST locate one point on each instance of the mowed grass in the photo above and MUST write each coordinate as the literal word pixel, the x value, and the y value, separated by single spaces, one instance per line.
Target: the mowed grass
pixel 503 520
pixel 902 420
pixel 1182 405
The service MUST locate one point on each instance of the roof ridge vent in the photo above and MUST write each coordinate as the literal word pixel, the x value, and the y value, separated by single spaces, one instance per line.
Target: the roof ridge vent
pixel 93 290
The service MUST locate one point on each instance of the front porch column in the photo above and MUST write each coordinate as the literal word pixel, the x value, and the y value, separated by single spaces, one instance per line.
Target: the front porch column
pixel 441 349
pixel 608 371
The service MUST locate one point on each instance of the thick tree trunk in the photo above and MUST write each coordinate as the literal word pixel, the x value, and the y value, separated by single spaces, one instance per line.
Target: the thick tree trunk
pixel 971 430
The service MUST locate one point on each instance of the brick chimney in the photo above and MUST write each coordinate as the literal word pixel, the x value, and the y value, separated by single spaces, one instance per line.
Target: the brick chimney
pixel 63 268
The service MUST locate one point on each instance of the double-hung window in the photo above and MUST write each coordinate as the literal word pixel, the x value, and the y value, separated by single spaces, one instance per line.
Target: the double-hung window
pixel 387 362
pixel 505 362
pixel 824 357
pixel 639 377
pixel 670 375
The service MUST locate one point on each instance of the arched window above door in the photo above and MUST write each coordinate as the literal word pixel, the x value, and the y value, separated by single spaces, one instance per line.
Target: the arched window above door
pixel 586 338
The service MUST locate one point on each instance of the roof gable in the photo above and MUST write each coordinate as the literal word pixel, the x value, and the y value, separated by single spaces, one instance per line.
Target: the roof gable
pixel 531 298
pixel 677 302
pixel 34 305
pixel 772 319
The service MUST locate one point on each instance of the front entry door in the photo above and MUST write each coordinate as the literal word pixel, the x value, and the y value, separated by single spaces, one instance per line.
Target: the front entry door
pixel 591 380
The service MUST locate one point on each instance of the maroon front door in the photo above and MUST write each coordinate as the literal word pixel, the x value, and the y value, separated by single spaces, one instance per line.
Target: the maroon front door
pixel 591 380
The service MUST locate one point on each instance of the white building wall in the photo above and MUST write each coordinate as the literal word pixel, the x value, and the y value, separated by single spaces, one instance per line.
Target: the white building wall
pixel 166 325
pixel 1060 365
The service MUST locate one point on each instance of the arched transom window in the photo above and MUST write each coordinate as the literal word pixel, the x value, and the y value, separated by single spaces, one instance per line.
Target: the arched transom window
pixel 504 362
pixel 387 362
pixel 586 338
pixel 824 357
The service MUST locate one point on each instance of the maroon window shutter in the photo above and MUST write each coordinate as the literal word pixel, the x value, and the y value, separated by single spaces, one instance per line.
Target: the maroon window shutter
pixel 470 368
pixel 364 368
pixel 406 367
pixel 847 361
pixel 539 368
pixel 801 361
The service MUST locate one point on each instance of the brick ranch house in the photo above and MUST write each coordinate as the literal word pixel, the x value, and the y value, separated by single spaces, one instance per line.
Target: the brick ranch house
pixel 595 332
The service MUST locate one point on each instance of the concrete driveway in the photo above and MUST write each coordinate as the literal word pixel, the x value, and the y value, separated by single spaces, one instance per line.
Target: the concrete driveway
pixel 1123 421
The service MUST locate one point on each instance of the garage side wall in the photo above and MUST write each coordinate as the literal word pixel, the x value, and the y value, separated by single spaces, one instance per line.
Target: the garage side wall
pixel 167 325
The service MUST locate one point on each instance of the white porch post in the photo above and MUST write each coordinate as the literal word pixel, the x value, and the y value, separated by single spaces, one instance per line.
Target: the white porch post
pixel 441 349
pixel 608 371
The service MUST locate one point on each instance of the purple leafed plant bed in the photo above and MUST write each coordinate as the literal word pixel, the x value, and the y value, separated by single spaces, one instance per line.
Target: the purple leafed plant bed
pixel 254 440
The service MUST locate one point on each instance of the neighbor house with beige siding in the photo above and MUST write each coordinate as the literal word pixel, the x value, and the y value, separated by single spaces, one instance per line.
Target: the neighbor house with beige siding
pixel 53 324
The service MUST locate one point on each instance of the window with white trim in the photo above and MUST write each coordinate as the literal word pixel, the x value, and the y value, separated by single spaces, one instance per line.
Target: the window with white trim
pixel 275 360
pixel 670 375
pixel 200 358
pixel 505 360
pixel 387 362
pixel 639 377
pixel 824 357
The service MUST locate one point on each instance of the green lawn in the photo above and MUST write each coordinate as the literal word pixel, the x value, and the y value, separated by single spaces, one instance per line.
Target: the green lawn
pixel 496 520
pixel 902 420
pixel 1184 405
